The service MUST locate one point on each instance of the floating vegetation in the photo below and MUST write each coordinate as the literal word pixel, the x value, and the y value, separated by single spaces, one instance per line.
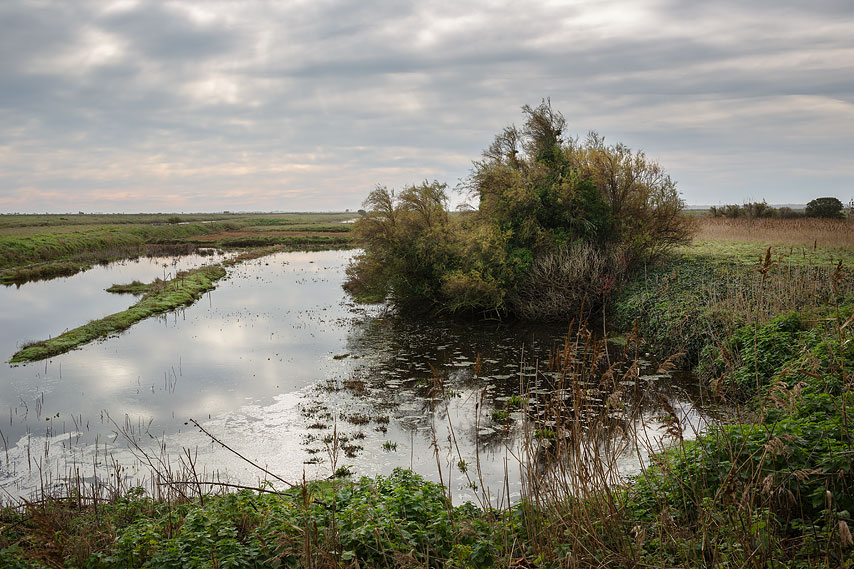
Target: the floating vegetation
pixel 358 419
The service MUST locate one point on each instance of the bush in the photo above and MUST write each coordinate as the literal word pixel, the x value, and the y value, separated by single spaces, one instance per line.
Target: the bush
pixel 557 223
pixel 751 210
pixel 561 281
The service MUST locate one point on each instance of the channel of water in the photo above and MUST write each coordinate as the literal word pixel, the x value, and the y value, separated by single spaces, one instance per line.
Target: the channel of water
pixel 278 363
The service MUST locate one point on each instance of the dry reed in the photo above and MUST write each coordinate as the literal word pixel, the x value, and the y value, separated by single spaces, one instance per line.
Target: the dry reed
pixel 806 232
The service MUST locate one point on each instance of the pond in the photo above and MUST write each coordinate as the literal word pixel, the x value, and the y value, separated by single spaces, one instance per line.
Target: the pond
pixel 281 366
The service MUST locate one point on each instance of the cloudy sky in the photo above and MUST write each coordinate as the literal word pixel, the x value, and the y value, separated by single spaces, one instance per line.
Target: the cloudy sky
pixel 298 105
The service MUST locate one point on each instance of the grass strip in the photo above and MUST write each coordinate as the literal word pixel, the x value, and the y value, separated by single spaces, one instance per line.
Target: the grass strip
pixel 45 271
pixel 327 241
pixel 135 287
pixel 20 248
pixel 161 296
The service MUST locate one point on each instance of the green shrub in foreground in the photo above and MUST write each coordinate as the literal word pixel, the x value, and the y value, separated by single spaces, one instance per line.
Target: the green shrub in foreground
pixel 377 522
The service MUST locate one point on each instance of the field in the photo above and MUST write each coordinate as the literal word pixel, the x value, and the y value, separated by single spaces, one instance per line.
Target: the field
pixel 37 247
pixel 804 240
pixel 45 246
pixel 761 311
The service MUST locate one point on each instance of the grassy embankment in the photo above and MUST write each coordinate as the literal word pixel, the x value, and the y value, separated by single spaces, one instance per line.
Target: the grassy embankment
pixel 157 297
pixel 704 292
pixel 36 247
pixel 770 488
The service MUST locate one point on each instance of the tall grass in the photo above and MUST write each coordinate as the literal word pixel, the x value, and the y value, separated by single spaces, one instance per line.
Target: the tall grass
pixel 805 232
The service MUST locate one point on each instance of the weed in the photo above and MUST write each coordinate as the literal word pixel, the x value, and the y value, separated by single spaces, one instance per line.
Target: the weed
pixel 357 419
pixel 500 415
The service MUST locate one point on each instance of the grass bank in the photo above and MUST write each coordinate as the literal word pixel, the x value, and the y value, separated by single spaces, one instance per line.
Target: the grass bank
pixel 25 246
pixel 159 296
pixel 34 247
pixel 754 271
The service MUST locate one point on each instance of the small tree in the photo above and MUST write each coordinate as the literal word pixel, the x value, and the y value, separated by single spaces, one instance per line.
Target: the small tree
pixel 558 224
pixel 825 207
pixel 407 239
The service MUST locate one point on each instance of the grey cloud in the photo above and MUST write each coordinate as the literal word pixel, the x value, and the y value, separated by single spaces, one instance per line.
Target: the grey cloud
pixel 351 93
pixel 167 34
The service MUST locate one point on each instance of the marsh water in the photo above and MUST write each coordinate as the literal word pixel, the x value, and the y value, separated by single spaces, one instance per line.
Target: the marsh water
pixel 279 364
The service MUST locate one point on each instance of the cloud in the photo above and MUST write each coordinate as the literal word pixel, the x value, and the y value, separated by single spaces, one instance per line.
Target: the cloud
pixel 307 105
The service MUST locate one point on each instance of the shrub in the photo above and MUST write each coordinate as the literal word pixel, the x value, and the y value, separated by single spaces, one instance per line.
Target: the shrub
pixel 572 276
pixel 543 201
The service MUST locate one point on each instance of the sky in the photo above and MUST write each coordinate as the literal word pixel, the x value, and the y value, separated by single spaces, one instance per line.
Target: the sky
pixel 307 105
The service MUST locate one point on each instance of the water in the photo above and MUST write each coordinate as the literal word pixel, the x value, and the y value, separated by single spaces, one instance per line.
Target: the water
pixel 277 363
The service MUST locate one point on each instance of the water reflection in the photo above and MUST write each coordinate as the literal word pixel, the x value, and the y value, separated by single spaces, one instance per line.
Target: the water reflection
pixel 278 363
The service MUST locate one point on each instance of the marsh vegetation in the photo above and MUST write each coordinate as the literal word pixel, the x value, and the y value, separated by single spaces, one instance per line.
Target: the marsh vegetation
pixel 700 418
pixel 573 452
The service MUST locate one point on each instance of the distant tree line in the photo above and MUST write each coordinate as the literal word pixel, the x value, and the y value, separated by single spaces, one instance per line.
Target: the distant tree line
pixel 828 207
pixel 558 224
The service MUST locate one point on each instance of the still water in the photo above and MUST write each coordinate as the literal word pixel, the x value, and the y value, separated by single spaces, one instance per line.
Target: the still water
pixel 280 365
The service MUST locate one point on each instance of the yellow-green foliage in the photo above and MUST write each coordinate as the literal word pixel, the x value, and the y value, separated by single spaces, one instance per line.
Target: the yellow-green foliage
pixel 582 214
pixel 162 296
pixel 135 287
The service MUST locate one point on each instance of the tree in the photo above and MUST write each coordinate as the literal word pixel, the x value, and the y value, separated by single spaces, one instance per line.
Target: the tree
pixel 406 239
pixel 645 205
pixel 558 225
pixel 825 207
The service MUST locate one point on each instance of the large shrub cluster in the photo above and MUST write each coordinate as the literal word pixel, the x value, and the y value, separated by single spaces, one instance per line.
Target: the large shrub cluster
pixel 559 223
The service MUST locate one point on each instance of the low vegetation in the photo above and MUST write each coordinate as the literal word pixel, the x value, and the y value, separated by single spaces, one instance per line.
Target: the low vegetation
pixel 34 247
pixel 824 208
pixel 734 275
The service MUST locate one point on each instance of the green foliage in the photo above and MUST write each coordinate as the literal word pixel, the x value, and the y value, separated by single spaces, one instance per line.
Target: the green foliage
pixel 762 350
pixel 787 350
pixel 790 470
pixel 408 240
pixel 774 489
pixel 500 415
pixel 135 287
pixel 399 520
pixel 752 210
pixel 668 303
pixel 397 514
pixel 825 207
pixel 696 303
pixel 541 198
